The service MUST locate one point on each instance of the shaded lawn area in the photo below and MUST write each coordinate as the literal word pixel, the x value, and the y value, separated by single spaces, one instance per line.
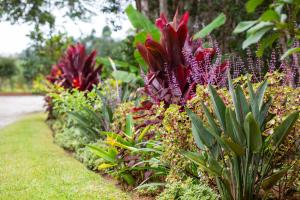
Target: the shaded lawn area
pixel 32 167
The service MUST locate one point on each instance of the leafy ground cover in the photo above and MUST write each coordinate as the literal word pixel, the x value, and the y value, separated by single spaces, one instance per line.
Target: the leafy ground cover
pixel 32 167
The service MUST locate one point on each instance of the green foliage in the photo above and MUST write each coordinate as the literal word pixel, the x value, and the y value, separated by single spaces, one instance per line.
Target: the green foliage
pixel 176 136
pixel 216 23
pixel 8 68
pixel 88 158
pixel 188 189
pixel 242 141
pixel 36 11
pixel 141 23
pixel 289 52
pixel 251 5
pixel 71 138
pixel 137 161
pixel 277 23
pixel 39 58
pixel 144 27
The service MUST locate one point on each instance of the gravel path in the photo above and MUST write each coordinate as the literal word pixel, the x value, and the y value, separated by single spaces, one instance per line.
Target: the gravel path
pixel 14 107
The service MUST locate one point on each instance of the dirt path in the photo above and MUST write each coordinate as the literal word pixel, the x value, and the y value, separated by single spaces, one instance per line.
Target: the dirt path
pixel 14 107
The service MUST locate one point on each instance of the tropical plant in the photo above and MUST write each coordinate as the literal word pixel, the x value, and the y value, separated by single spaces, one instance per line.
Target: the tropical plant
pixel 129 154
pixel 279 22
pixel 76 69
pixel 178 63
pixel 90 120
pixel 238 148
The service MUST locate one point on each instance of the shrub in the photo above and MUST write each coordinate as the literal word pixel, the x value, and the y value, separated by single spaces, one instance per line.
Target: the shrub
pixel 129 156
pixel 88 158
pixel 238 149
pixel 76 69
pixel 188 189
pixel 68 134
pixel 8 68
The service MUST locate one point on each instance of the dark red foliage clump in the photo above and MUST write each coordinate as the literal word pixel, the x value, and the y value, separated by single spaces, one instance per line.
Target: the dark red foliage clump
pixel 178 63
pixel 55 74
pixel 76 69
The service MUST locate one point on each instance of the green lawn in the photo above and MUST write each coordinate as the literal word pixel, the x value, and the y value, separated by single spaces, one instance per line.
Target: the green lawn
pixel 32 167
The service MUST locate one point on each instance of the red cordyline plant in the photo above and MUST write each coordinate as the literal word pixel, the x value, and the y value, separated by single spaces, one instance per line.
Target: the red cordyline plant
pixel 178 63
pixel 76 69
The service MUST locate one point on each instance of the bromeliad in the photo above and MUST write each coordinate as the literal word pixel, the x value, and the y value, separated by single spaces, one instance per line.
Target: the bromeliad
pixel 178 63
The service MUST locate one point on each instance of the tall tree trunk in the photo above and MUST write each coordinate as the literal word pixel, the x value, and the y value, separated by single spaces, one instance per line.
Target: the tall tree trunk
pixel 138 5
pixel 145 8
pixel 163 7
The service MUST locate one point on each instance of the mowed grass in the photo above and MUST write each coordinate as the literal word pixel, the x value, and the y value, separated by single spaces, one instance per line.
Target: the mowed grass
pixel 32 167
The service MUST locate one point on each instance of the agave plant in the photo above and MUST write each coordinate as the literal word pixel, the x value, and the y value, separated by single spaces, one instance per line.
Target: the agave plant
pixel 236 149
pixel 178 63
pixel 76 69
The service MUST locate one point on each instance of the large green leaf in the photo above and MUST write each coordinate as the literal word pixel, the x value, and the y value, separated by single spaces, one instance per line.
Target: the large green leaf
pixel 214 165
pixel 259 26
pixel 233 94
pixel 237 101
pixel 253 99
pixel 270 181
pixel 238 131
pixel 129 126
pixel 260 93
pixel 264 113
pixel 255 37
pixel 289 52
pixel 253 134
pixel 217 22
pixel 109 156
pixel 251 5
pixel 107 113
pixel 269 15
pixel 202 162
pixel 243 26
pixel 201 135
pixel 124 76
pixel 211 120
pixel 242 107
pixel 284 128
pixel 236 148
pixel 139 21
pixel 233 128
pixel 119 64
pixel 218 105
pixel 266 42
pixel 229 132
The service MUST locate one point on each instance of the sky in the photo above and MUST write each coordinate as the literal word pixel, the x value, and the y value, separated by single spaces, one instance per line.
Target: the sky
pixel 13 38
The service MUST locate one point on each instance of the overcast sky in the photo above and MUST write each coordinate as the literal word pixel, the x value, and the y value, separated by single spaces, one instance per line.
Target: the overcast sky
pixel 13 38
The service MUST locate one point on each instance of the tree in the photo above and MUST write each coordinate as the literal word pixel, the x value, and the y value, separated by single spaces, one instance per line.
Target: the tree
pixel 39 58
pixel 41 11
pixel 201 13
pixel 8 69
